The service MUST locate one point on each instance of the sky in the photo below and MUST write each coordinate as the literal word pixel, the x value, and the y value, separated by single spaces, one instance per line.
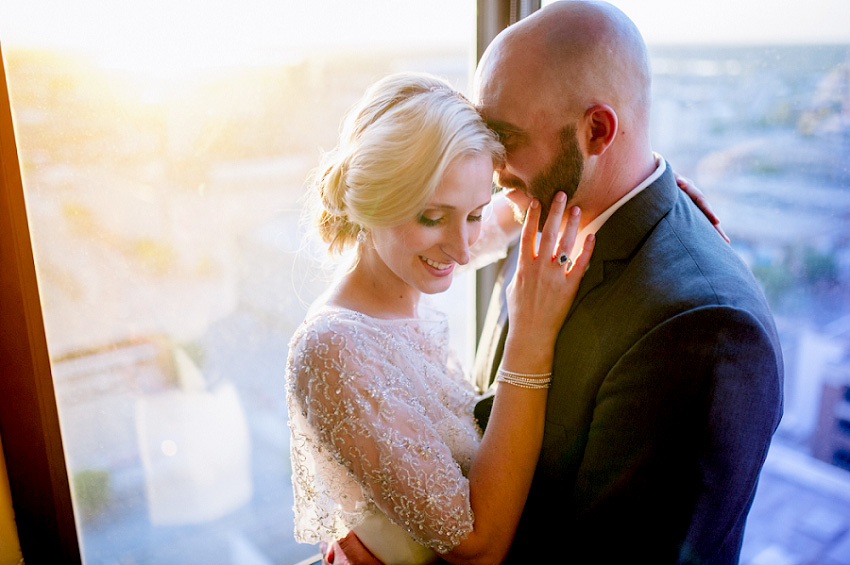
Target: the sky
pixel 740 21
pixel 163 33
pixel 274 22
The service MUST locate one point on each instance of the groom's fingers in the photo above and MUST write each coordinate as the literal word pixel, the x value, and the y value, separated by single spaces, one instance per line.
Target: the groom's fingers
pixel 351 551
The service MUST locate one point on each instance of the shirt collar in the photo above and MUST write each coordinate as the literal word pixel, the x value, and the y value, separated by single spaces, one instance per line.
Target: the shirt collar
pixel 600 220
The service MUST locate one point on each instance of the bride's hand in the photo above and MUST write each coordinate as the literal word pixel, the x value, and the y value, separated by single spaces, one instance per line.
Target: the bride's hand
pixel 698 198
pixel 543 289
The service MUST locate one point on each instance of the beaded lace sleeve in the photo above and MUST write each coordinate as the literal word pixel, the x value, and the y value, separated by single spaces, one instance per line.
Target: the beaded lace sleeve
pixel 368 411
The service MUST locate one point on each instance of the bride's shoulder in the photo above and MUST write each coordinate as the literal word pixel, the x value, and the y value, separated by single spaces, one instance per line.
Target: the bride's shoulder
pixel 332 328
pixel 330 319
pixel 335 346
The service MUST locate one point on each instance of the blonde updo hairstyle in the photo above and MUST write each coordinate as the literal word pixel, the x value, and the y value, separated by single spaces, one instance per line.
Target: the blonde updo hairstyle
pixel 394 149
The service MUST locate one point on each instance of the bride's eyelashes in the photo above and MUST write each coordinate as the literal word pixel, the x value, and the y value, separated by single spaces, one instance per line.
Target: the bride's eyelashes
pixel 426 221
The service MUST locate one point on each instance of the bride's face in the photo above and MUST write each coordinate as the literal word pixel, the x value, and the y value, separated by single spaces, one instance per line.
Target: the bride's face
pixel 423 252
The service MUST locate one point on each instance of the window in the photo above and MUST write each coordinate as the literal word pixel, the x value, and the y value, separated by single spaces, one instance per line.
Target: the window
pixel 164 148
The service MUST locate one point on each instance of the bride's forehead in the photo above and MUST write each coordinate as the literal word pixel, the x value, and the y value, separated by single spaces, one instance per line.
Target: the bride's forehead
pixel 467 181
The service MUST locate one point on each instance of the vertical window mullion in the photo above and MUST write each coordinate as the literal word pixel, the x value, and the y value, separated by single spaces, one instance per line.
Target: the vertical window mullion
pixel 29 421
pixel 493 17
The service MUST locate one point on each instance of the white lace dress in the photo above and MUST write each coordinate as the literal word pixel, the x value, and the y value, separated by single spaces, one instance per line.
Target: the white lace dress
pixel 383 434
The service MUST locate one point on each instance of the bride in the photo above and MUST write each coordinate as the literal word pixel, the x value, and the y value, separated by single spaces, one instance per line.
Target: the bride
pixel 384 442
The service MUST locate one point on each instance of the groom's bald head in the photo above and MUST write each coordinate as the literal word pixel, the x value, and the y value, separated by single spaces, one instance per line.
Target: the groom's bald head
pixel 573 54
pixel 568 90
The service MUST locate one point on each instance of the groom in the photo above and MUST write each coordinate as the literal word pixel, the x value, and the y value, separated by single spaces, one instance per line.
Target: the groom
pixel 667 380
pixel 668 374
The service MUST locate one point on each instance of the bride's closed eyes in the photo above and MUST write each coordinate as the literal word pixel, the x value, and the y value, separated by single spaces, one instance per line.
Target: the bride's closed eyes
pixel 431 221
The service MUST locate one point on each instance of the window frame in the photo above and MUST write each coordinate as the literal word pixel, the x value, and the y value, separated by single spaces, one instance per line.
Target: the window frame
pixel 29 418
pixel 493 17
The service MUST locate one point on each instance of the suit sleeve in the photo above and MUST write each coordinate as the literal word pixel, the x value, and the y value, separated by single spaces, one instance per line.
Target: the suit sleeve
pixel 679 433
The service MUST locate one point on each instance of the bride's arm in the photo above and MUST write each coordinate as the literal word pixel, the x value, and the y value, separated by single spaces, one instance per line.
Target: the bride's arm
pixel 506 215
pixel 539 298
pixel 500 230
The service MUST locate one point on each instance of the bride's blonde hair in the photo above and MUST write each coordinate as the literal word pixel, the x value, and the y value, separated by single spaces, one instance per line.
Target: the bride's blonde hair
pixel 394 149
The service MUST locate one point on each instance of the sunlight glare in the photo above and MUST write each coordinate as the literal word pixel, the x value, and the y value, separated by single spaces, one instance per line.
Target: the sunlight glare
pixel 171 42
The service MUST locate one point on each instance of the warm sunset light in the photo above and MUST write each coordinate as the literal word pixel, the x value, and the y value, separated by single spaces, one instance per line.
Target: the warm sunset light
pixel 168 152
pixel 213 33
pixel 166 40
pixel 161 44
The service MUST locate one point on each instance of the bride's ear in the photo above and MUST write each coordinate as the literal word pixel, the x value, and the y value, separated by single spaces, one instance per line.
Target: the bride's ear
pixel 600 125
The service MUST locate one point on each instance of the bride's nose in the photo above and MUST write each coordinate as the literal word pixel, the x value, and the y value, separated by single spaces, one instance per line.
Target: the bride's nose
pixel 456 244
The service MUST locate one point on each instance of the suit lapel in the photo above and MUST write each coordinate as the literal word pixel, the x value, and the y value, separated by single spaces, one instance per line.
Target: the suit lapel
pixel 617 240
pixel 624 231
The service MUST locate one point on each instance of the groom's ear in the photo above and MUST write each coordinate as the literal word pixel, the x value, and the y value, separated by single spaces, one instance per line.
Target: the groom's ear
pixel 600 128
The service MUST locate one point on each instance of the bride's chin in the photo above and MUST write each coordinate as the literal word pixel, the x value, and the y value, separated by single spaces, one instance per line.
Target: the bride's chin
pixel 437 288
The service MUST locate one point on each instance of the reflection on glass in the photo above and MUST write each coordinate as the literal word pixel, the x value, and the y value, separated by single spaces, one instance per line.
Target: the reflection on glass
pixel 765 132
pixel 164 171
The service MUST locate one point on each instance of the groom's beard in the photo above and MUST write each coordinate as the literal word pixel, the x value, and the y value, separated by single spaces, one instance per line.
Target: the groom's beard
pixel 563 174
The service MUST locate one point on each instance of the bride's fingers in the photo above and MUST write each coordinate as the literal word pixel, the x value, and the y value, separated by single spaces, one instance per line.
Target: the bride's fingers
pixel 553 224
pixel 528 237
pixel 568 238
pixel 584 258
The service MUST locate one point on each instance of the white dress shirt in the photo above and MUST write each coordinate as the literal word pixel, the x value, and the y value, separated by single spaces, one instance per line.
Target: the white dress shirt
pixel 600 220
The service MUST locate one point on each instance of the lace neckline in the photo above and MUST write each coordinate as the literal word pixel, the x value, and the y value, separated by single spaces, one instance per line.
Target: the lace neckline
pixel 427 314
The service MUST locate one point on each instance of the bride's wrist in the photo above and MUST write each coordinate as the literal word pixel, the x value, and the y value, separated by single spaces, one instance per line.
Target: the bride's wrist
pixel 530 338
pixel 524 357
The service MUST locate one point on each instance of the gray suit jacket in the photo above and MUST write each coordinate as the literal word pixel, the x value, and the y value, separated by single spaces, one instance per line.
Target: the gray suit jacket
pixel 667 390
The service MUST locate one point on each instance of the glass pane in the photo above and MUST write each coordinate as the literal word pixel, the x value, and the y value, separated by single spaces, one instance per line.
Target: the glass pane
pixel 165 147
pixel 752 101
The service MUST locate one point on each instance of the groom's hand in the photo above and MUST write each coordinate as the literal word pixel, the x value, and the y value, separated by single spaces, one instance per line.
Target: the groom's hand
pixel 350 550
